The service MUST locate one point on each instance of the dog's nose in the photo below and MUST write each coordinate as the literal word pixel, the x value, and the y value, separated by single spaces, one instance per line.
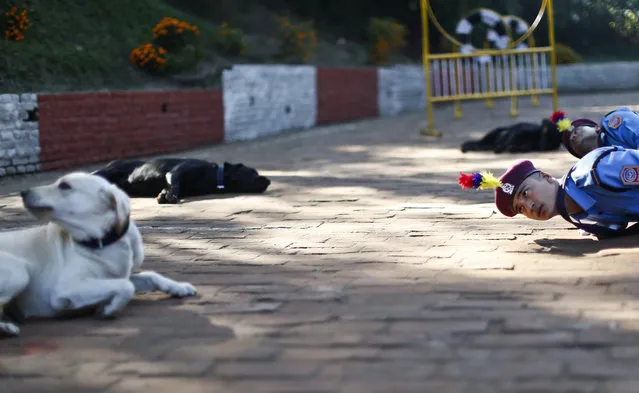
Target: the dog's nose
pixel 24 194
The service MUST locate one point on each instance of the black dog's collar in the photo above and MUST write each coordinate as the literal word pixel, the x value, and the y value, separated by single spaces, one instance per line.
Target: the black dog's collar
pixel 220 177
pixel 111 237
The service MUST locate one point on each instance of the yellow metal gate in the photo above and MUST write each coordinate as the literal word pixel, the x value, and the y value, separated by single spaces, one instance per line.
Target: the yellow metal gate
pixel 516 71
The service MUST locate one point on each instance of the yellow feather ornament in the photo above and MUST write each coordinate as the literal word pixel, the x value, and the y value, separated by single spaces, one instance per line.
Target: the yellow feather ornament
pixel 564 125
pixel 489 181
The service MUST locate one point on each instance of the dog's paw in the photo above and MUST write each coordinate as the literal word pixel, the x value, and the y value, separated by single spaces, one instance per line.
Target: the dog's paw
pixel 9 329
pixel 167 197
pixel 122 297
pixel 110 310
pixel 161 198
pixel 181 289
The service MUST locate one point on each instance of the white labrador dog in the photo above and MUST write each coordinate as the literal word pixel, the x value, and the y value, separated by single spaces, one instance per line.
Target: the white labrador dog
pixel 82 259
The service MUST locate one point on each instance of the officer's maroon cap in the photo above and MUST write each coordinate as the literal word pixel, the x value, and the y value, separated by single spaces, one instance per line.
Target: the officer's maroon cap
pixel 505 187
pixel 511 180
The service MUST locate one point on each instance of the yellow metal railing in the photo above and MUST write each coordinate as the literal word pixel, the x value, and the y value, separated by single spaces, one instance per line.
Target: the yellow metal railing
pixel 512 72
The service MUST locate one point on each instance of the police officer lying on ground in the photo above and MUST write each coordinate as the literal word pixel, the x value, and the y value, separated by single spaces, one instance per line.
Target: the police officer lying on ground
pixel 602 187
pixel 617 128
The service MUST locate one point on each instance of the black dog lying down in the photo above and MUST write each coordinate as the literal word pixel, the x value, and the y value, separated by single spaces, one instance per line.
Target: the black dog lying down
pixel 171 179
pixel 518 138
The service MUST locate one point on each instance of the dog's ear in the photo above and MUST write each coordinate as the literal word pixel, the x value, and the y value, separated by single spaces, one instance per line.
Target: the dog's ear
pixel 120 204
pixel 232 167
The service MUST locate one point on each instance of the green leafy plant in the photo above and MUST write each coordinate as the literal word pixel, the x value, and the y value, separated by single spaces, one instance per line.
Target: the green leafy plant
pixel 230 40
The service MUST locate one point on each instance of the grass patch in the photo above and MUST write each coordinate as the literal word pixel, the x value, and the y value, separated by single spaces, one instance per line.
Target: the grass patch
pixel 85 45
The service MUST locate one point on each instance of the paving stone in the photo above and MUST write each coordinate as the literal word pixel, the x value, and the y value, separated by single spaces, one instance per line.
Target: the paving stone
pixel 162 369
pixel 165 384
pixel 620 386
pixel 525 339
pixel 501 370
pixel 603 369
pixel 549 386
pixel 332 353
pixel 267 370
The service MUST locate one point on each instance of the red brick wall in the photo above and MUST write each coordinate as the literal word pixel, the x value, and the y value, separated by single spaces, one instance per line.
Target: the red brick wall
pixel 79 129
pixel 345 94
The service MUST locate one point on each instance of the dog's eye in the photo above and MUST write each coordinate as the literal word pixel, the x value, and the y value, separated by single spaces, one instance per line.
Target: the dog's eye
pixel 64 186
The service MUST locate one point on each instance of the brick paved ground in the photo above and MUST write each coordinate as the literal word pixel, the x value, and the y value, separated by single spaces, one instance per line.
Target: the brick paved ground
pixel 363 269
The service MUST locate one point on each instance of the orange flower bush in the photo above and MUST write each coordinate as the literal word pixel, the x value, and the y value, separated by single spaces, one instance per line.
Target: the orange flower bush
pixel 231 41
pixel 148 57
pixel 381 52
pixel 386 37
pixel 173 34
pixel 175 48
pixel 298 39
pixel 14 23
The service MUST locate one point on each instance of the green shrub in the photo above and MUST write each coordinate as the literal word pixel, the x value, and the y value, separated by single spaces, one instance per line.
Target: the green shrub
pixel 184 60
pixel 298 39
pixel 230 41
pixel 386 36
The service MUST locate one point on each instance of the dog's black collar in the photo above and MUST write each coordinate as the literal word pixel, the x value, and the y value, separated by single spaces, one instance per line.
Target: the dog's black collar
pixel 220 177
pixel 111 237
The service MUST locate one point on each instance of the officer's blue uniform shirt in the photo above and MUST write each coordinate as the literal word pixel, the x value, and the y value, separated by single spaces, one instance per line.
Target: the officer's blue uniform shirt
pixel 620 128
pixel 610 195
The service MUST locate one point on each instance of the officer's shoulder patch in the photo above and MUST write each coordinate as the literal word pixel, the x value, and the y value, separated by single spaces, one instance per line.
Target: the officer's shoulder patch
pixel 615 121
pixel 630 175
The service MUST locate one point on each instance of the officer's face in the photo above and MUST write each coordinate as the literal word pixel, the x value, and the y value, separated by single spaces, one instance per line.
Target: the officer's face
pixel 536 197
pixel 584 139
